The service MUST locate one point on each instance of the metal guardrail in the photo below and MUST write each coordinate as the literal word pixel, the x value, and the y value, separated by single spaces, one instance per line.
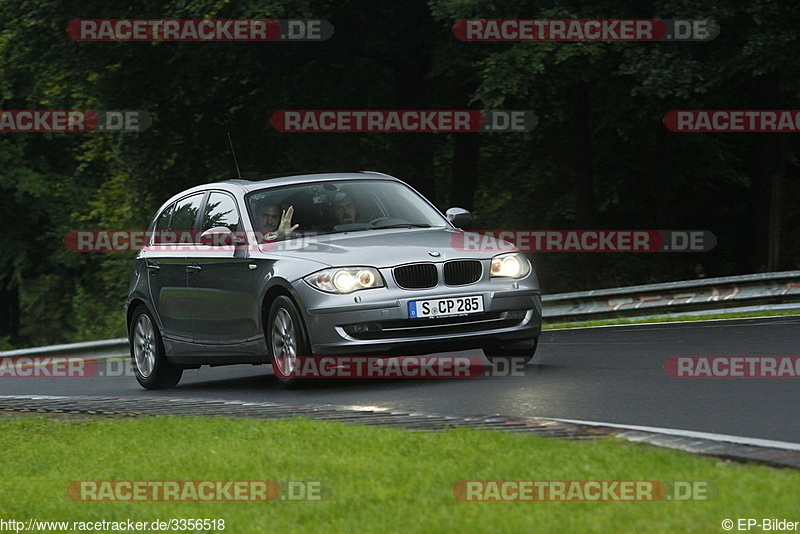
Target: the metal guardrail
pixel 703 294
pixel 99 350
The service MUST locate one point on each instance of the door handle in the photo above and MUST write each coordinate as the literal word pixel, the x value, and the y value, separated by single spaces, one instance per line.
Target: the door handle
pixel 152 266
pixel 193 268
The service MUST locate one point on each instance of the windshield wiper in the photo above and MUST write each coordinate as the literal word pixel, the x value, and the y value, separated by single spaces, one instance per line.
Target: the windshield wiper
pixel 401 225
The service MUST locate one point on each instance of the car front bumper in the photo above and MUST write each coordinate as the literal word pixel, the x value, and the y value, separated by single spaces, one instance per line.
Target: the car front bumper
pixel 376 322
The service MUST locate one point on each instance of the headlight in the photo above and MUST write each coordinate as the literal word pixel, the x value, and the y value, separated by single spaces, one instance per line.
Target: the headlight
pixel 513 265
pixel 345 279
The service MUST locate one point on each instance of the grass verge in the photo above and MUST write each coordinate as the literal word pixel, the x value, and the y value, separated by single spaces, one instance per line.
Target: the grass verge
pixel 664 319
pixel 382 480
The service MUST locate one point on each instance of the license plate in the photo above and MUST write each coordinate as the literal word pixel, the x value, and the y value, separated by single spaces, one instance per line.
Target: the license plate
pixel 445 307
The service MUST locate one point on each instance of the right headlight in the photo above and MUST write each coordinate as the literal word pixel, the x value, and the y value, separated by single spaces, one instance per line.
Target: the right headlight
pixel 345 279
pixel 511 265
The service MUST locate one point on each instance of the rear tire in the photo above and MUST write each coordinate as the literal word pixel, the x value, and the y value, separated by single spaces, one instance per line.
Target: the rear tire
pixel 497 354
pixel 149 360
pixel 287 341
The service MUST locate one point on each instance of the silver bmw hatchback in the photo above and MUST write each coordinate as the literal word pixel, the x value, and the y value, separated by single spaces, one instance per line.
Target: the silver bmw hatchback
pixel 266 272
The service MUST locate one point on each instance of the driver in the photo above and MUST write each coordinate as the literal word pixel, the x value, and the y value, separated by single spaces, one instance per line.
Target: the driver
pixel 275 222
pixel 343 210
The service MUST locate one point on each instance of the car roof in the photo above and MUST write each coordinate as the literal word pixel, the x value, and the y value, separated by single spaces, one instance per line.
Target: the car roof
pixel 252 185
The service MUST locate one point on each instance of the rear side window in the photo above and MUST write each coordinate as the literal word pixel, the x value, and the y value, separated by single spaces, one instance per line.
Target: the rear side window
pixel 221 210
pixel 162 225
pixel 184 217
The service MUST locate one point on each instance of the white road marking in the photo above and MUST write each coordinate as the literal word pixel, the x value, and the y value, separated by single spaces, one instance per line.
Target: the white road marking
pixel 740 440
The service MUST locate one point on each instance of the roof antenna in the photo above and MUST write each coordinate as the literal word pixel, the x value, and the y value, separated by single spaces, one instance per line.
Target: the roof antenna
pixel 234 156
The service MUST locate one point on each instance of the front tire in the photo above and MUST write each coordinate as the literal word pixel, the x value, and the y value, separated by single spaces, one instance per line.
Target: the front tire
pixel 149 360
pixel 288 342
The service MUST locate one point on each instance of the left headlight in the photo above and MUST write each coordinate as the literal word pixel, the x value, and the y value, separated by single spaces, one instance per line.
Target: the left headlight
pixel 345 279
pixel 512 265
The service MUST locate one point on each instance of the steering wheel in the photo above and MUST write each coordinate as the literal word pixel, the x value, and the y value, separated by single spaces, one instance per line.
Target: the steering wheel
pixel 377 220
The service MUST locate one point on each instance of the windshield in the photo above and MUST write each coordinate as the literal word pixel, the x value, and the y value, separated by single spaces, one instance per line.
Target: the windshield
pixel 342 206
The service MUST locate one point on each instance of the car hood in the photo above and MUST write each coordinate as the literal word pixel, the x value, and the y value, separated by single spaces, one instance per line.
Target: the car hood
pixel 385 248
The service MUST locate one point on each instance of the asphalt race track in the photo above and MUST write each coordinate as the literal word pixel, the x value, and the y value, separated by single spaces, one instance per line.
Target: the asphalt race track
pixel 610 374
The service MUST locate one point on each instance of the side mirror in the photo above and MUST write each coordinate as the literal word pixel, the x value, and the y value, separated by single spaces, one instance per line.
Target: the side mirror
pixel 458 217
pixel 219 236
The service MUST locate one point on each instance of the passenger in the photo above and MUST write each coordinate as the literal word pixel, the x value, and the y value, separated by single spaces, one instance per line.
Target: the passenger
pixel 276 222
